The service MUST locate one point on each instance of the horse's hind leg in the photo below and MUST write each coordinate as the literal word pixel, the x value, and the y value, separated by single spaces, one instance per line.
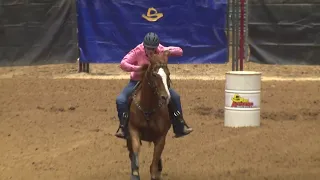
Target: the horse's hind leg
pixel 156 165
pixel 134 143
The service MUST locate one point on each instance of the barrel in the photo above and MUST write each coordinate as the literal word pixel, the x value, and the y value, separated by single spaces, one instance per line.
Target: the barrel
pixel 242 99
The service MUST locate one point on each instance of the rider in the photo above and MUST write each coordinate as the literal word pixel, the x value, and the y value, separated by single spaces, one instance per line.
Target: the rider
pixel 133 63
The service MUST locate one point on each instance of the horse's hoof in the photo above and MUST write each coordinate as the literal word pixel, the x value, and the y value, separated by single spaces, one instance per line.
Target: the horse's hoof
pixel 133 177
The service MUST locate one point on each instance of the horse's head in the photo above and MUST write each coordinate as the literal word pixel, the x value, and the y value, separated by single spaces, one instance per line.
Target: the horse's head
pixel 158 76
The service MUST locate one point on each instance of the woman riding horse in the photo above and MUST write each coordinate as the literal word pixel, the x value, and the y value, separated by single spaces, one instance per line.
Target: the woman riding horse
pixel 133 62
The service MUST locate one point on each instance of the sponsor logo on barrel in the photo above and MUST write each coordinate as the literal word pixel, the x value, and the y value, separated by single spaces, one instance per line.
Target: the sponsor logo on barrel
pixel 240 102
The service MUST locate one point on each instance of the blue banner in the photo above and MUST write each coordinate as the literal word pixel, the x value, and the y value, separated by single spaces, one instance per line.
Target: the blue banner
pixel 109 29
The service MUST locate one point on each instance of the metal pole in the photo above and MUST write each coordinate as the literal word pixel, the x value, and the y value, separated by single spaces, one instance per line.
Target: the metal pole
pixel 237 34
pixel 228 28
pixel 241 47
pixel 246 10
pixel 87 67
pixel 80 67
pixel 233 18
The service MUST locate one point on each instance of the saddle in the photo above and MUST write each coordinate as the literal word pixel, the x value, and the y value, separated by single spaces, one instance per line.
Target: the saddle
pixel 130 98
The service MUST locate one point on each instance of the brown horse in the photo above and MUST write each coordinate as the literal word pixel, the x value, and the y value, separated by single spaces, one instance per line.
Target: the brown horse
pixel 149 115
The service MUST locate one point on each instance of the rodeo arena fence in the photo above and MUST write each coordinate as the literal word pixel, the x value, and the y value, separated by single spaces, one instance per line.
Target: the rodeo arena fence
pixel 34 32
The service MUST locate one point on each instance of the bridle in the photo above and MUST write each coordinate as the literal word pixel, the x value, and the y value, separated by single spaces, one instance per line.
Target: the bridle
pixel 155 89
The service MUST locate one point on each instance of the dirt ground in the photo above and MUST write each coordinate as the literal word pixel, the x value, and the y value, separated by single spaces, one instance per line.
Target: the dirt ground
pixel 62 129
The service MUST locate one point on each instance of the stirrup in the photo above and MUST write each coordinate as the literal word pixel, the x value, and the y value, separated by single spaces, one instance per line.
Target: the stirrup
pixel 120 128
pixel 183 132
pixel 185 124
pixel 122 134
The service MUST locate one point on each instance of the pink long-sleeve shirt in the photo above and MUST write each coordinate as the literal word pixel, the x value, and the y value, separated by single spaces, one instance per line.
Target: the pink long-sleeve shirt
pixel 137 57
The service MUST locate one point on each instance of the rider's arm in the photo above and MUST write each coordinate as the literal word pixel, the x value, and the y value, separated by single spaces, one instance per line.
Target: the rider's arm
pixel 174 51
pixel 128 63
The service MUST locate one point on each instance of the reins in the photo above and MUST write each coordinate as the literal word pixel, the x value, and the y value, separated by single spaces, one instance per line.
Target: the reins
pixel 148 113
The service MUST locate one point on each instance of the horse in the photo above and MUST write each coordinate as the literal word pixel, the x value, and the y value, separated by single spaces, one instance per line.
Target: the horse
pixel 149 118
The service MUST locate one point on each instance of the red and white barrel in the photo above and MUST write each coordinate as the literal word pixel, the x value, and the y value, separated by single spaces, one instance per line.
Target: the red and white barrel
pixel 242 99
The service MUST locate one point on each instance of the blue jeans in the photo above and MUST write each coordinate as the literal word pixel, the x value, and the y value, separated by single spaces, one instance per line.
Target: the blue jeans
pixel 122 99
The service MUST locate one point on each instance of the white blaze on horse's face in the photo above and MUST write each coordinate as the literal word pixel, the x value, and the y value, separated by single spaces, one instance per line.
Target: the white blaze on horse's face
pixel 163 75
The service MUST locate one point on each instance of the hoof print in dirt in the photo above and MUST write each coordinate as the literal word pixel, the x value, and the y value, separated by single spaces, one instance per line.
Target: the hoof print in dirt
pixel 72 108
pixel 54 109
pixel 40 108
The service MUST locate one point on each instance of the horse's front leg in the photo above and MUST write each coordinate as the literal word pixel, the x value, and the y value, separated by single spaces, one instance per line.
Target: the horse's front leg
pixel 134 154
pixel 156 165
pixel 160 167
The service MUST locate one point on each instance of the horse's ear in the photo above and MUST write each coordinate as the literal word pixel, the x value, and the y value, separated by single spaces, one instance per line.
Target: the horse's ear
pixel 153 59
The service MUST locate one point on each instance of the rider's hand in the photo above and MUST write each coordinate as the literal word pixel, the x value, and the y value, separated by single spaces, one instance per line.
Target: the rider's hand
pixel 139 70
pixel 142 68
pixel 166 53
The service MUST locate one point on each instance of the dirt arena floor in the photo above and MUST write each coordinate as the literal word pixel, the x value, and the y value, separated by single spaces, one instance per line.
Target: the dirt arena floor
pixel 58 128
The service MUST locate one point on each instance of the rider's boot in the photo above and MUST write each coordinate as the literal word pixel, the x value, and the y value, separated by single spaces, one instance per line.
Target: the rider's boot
pixel 122 130
pixel 180 127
